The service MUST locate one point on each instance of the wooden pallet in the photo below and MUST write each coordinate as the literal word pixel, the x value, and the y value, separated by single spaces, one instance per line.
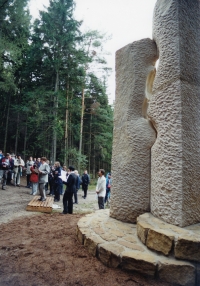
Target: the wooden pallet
pixel 38 206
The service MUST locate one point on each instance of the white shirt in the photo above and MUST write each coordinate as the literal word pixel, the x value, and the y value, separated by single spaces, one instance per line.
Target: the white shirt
pixel 101 186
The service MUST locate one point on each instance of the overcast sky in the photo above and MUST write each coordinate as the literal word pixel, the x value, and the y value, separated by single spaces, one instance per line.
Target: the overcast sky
pixel 125 20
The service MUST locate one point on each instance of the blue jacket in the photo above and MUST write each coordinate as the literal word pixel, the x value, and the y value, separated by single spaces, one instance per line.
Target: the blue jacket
pixel 78 183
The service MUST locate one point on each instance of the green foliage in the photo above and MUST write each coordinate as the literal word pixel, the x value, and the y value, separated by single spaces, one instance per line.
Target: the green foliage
pixel 43 72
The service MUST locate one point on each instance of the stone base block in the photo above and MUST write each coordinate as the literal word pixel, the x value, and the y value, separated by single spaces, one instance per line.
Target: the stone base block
pixel 182 243
pixel 117 244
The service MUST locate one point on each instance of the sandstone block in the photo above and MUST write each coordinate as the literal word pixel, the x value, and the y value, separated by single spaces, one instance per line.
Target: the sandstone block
pixel 109 254
pixel 142 231
pixel 91 244
pixel 81 234
pixel 141 262
pixel 108 236
pixel 188 247
pixel 176 272
pixel 159 241
pixel 130 245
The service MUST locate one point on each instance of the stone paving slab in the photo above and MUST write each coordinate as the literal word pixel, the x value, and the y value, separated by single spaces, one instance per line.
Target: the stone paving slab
pixel 182 243
pixel 116 244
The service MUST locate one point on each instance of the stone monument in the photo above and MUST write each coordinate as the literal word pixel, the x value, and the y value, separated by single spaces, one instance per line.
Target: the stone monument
pixel 153 226
pixel 134 134
pixel 170 184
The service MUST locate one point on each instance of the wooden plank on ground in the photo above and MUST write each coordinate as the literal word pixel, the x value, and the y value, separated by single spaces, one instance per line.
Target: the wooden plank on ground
pixel 37 206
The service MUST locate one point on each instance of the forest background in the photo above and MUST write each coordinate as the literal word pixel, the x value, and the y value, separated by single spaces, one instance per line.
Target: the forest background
pixel 53 81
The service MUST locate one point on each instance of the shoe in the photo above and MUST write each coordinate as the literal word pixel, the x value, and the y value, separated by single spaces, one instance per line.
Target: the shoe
pixel 18 185
pixel 40 199
pixel 75 203
pixel 31 193
pixel 83 197
pixel 63 213
pixel 3 187
pixel 43 199
pixel 34 194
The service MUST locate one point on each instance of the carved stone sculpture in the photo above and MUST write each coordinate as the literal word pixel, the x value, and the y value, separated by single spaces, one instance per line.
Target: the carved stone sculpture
pixel 175 111
pixel 169 187
pixel 133 132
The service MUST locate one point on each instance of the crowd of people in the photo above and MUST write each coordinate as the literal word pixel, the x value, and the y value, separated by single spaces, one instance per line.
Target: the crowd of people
pixel 53 180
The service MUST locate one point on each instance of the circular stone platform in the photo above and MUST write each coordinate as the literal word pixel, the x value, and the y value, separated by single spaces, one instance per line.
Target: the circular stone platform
pixel 117 244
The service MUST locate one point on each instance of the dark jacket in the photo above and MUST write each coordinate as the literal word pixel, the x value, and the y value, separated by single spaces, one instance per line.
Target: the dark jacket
pixel 85 180
pixel 10 165
pixel 56 178
pixel 71 183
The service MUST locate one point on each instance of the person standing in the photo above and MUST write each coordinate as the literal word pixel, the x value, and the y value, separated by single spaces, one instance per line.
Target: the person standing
pixel 18 164
pixel 57 181
pixel 43 178
pixel 69 192
pixel 29 164
pixel 85 182
pixel 6 165
pixel 34 179
pixel 101 188
pixel 108 186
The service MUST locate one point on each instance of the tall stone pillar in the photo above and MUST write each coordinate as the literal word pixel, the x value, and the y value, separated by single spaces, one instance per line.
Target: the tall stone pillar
pixel 133 133
pixel 175 111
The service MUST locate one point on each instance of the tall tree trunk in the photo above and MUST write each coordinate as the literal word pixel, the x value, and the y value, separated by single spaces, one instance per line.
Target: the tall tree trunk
pixel 66 124
pixel 17 133
pixel 82 111
pixel 94 164
pixel 81 127
pixel 6 127
pixel 55 117
pixel 90 142
pixel 25 138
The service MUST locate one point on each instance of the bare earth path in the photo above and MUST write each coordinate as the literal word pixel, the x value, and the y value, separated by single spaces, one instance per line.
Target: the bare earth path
pixel 41 249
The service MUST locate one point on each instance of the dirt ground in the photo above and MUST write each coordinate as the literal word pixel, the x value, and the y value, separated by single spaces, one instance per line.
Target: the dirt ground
pixel 42 249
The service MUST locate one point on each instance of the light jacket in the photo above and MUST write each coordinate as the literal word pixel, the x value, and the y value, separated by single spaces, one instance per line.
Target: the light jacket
pixel 29 164
pixel 45 169
pixel 101 186
pixel 17 167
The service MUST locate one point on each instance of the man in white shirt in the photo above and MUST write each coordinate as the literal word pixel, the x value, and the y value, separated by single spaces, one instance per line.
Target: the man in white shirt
pixel 101 188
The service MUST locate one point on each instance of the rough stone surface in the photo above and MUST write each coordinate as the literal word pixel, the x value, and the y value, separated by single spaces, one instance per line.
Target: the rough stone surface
pixel 109 254
pixel 159 241
pixel 140 262
pixel 188 247
pixel 91 244
pixel 133 134
pixel 172 271
pixel 182 243
pixel 142 230
pixel 129 253
pixel 174 111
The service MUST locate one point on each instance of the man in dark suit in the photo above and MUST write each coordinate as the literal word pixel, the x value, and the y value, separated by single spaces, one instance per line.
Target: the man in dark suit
pixel 70 190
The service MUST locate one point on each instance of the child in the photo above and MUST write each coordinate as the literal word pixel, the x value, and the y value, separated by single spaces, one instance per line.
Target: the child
pixel 34 179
